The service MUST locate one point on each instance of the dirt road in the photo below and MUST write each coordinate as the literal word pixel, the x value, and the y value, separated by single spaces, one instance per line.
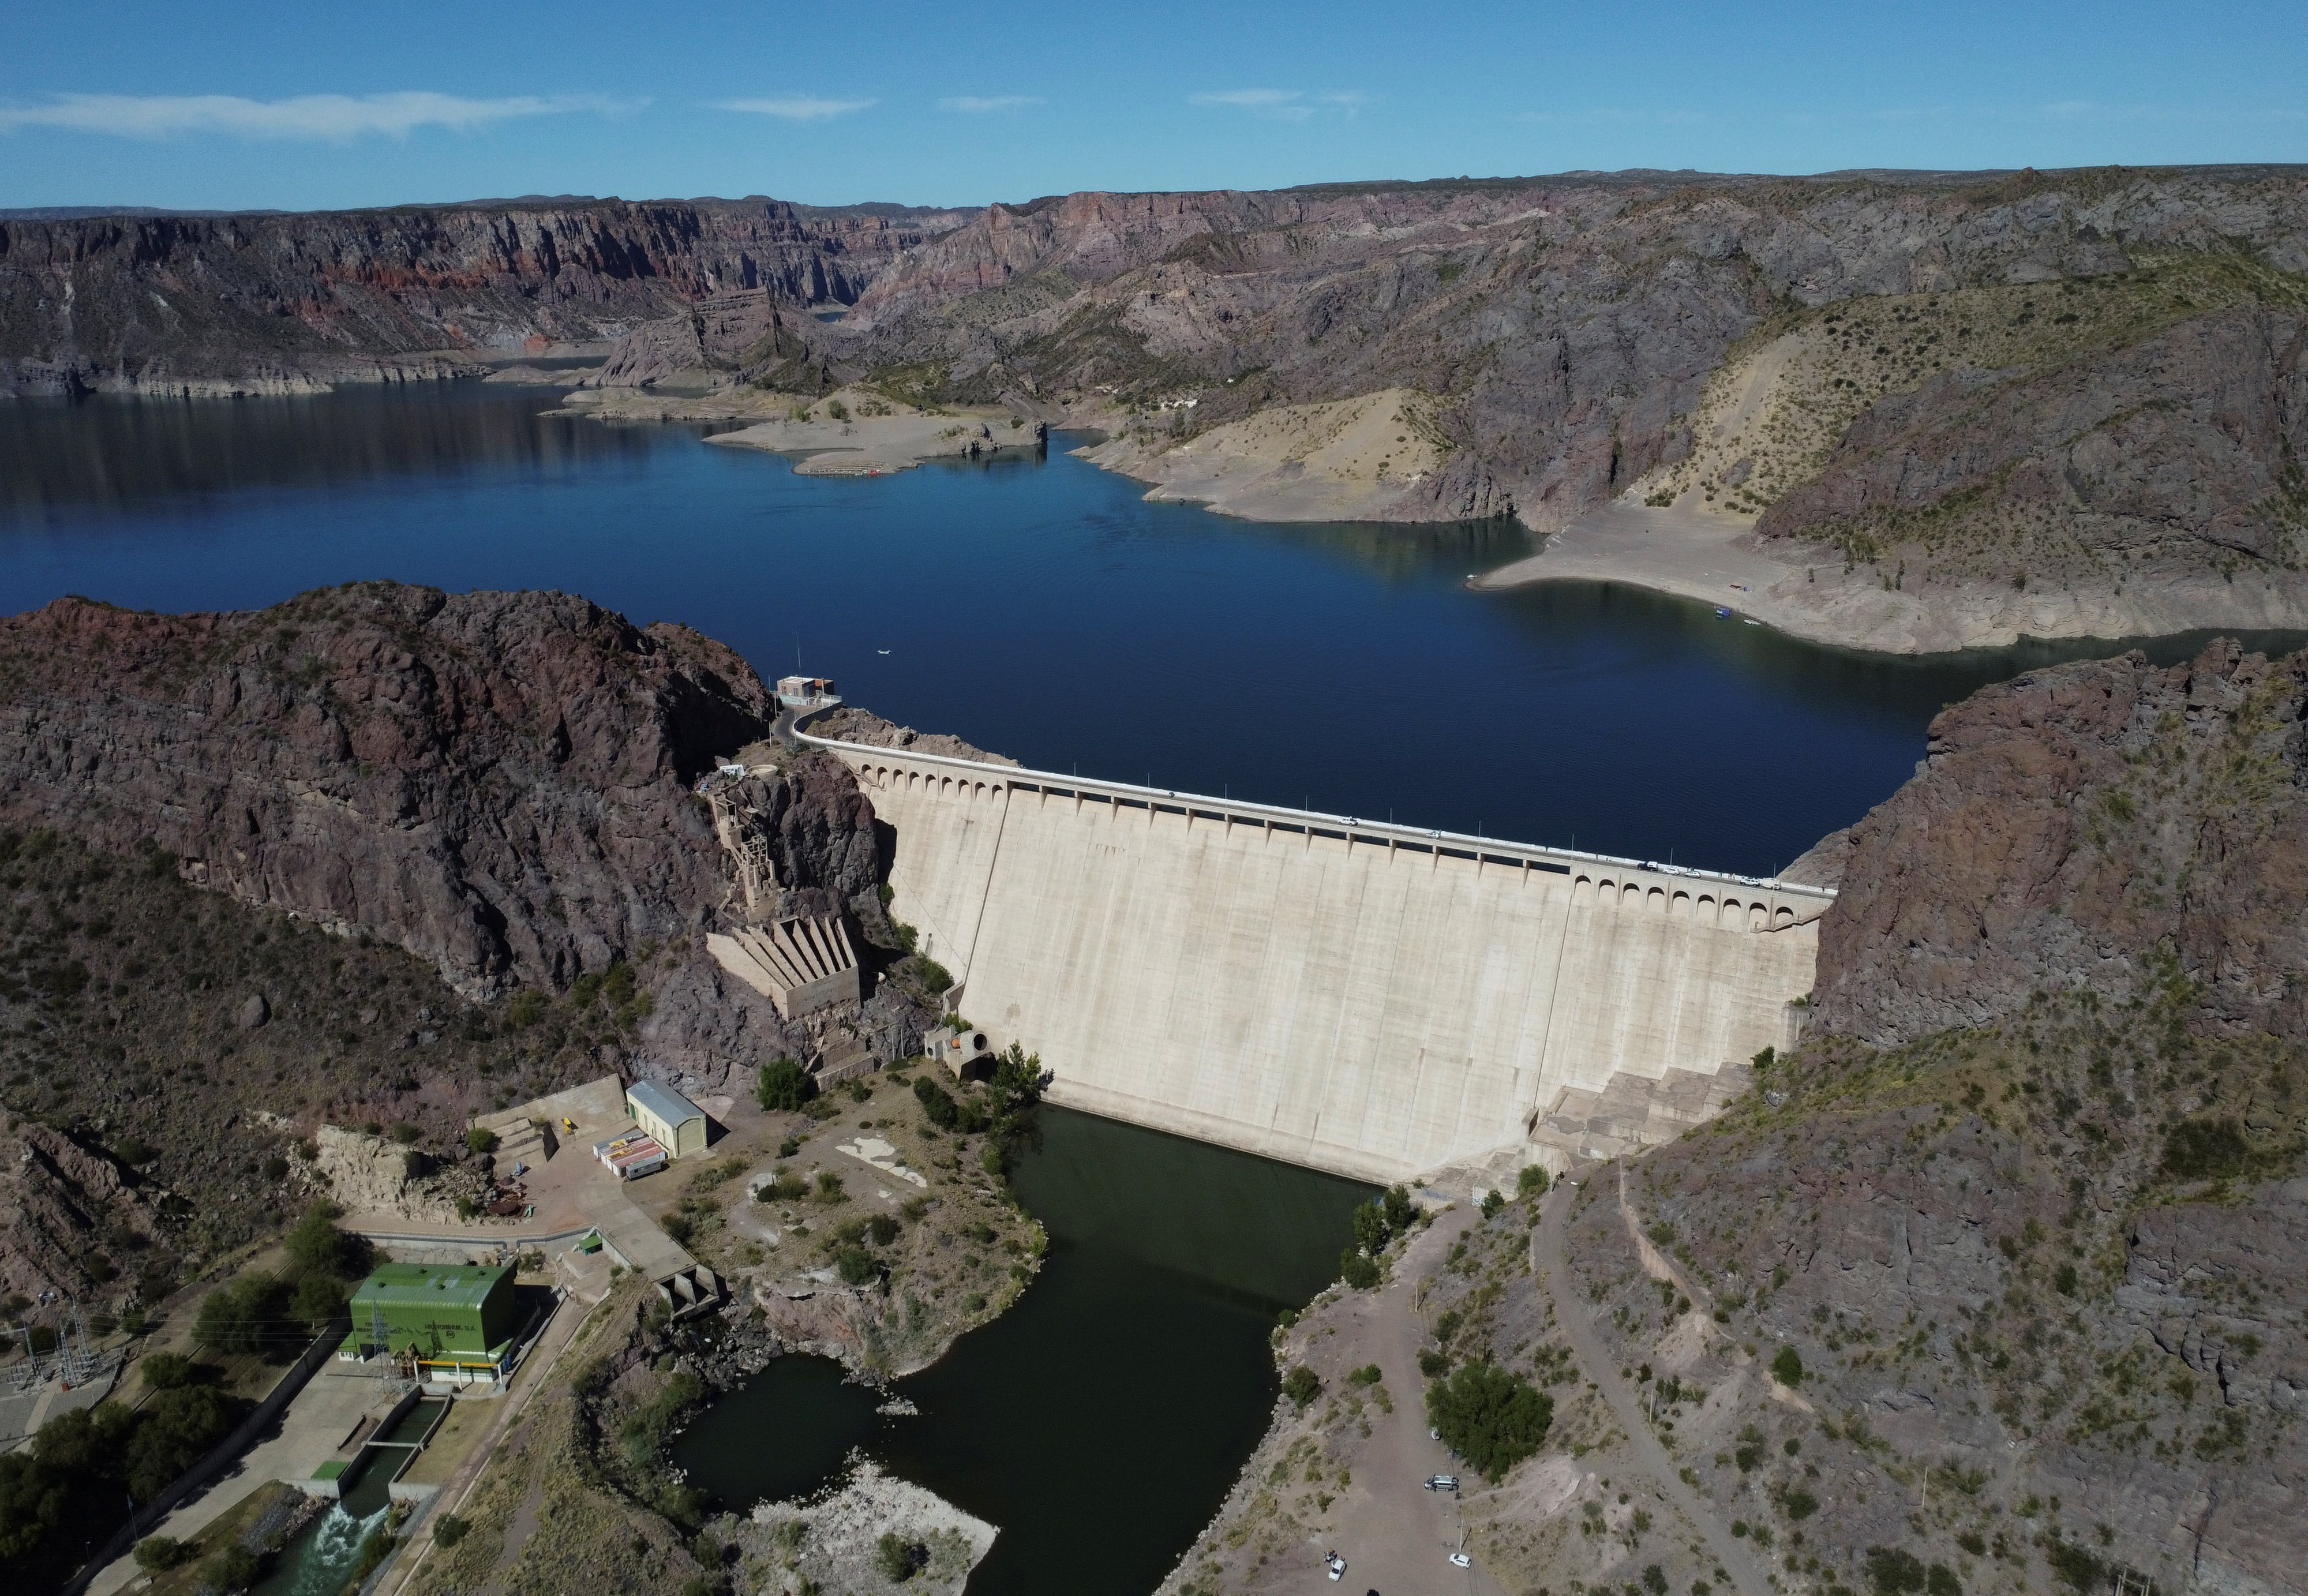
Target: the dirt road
pixel 1596 1363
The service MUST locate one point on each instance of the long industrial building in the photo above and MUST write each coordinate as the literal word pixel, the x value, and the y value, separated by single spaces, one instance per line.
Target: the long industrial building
pixel 1367 998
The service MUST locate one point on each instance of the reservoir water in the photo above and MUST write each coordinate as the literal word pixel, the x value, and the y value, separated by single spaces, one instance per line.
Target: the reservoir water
pixel 1041 609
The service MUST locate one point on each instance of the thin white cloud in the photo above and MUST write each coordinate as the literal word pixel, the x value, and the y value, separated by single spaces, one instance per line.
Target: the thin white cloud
pixel 1283 105
pixel 978 105
pixel 1249 99
pixel 796 107
pixel 327 116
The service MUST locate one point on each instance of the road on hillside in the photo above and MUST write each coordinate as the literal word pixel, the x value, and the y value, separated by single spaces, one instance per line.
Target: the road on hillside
pixel 1547 1256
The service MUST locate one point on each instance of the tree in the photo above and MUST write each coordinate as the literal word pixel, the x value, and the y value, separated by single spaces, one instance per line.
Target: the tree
pixel 1786 1367
pixel 784 1086
pixel 319 1298
pixel 1302 1387
pixel 1400 1210
pixel 1492 1419
pixel 165 1371
pixel 1356 1269
pixel 1370 1228
pixel 175 1432
pixel 317 1247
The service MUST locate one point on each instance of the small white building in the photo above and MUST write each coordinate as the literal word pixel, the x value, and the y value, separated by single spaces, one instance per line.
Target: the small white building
pixel 678 1124
pixel 807 691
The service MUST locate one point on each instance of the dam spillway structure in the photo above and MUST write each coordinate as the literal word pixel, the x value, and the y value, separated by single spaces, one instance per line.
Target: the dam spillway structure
pixel 1376 1000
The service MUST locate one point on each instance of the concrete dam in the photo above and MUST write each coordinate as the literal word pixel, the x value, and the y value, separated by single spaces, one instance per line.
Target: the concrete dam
pixel 1372 999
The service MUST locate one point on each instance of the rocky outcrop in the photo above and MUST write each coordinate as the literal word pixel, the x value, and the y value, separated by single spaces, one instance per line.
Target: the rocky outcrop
pixel 61 1205
pixel 496 782
pixel 723 342
pixel 2108 827
pixel 287 303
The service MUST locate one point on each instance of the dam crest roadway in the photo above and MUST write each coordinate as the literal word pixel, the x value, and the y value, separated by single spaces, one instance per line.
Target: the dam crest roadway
pixel 1377 1000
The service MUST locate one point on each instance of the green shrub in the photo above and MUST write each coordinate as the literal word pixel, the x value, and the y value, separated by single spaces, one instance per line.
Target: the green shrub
pixel 1493 1201
pixel 156 1554
pixel 1655 1579
pixel 1368 1375
pixel 233 1568
pixel 1940 1580
pixel 892 1556
pixel 856 1265
pixel 1356 1270
pixel 783 1087
pixel 404 1133
pixel 1302 1385
pixel 1492 1419
pixel 481 1138
pixel 1893 1572
pixel 829 1188
pixel 933 976
pixel 449 1529
pixel 2206 1149
pixel 937 1103
pixel 679 1226
pixel 1800 1504
pixel 883 1229
pixel 1787 1367
pixel 1532 1181
pixel 784 1186
pixel 1433 1363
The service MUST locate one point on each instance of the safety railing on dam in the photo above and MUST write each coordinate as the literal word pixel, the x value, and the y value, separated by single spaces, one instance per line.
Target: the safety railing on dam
pixel 1475 850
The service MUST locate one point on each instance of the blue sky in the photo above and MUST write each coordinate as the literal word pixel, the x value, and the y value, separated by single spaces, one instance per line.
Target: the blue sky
pixel 200 106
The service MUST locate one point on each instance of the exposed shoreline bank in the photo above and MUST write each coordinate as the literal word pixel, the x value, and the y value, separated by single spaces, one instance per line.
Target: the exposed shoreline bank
pixel 1716 561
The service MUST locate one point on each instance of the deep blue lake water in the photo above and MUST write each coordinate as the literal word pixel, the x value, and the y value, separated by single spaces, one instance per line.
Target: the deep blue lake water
pixel 1041 609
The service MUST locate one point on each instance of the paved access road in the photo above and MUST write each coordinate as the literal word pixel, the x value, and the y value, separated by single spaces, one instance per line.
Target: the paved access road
pixel 1594 1359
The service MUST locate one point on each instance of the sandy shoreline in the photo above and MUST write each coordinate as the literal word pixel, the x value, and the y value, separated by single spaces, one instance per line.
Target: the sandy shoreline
pixel 1712 558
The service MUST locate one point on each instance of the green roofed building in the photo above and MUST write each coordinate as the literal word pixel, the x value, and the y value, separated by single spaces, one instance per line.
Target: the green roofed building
pixel 457 1322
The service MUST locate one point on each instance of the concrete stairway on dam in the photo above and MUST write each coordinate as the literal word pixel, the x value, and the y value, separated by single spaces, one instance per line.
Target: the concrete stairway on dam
pixel 800 965
pixel 1368 998
pixel 1632 1112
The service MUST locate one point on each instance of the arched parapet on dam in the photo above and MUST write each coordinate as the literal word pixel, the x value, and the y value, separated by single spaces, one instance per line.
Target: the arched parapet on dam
pixel 1377 999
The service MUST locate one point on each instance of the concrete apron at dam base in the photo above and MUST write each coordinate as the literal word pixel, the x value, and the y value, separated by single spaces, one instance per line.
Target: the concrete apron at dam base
pixel 1375 1000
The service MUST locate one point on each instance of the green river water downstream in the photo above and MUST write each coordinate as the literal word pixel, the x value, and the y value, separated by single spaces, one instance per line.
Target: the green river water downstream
pixel 1099 1423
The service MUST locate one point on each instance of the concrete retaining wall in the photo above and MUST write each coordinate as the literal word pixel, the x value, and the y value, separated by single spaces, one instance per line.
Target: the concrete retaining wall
pixel 1371 999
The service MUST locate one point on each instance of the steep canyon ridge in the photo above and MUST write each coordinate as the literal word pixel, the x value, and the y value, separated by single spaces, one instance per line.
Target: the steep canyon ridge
pixel 1904 411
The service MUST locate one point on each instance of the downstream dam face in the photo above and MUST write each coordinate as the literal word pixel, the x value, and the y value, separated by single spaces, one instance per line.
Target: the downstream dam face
pixel 1371 999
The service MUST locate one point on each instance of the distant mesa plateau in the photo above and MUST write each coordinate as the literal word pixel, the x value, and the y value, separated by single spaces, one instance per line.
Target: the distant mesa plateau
pixel 1905 412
